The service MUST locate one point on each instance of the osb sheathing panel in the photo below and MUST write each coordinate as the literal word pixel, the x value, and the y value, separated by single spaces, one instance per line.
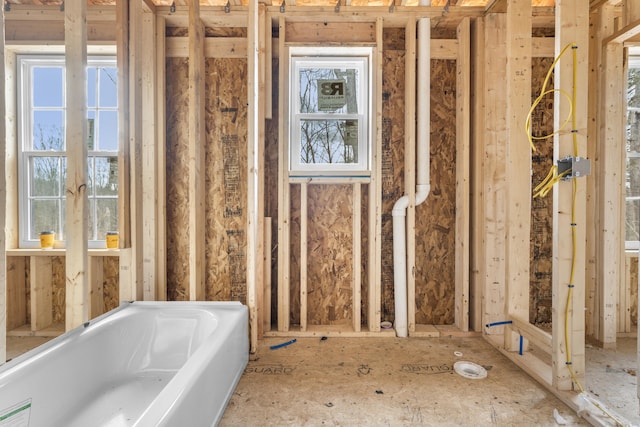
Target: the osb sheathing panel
pixel 271 188
pixel 226 183
pixel 58 288
pixel 177 197
pixel 364 251
pixel 225 179
pixel 208 32
pixel 27 285
pixel 330 254
pixel 393 111
pixel 111 271
pixel 435 218
pixel 633 284
pixel 540 291
pixel 294 262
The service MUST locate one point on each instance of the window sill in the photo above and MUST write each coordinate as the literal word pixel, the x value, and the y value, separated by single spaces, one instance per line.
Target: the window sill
pixel 59 252
pixel 329 179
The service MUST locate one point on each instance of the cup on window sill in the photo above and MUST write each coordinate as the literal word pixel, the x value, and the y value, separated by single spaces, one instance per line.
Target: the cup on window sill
pixel 47 239
pixel 112 240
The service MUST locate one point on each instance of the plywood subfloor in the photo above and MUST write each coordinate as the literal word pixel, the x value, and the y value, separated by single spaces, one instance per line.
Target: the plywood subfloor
pixel 612 376
pixel 405 382
pixel 386 382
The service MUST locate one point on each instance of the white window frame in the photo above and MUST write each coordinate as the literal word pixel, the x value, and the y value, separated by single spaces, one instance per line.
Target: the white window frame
pixel 25 62
pixel 634 62
pixel 359 58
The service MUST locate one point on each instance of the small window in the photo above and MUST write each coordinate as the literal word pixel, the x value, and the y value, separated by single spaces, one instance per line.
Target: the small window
pixel 42 147
pixel 329 109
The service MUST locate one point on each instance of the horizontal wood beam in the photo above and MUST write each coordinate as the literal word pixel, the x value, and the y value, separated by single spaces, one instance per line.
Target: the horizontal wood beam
pixel 223 47
pixel 53 13
pixel 628 32
pixel 543 47
pixel 52 31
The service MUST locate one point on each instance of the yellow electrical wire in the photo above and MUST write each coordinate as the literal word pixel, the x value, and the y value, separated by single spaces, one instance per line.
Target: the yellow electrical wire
pixel 547 184
pixel 543 93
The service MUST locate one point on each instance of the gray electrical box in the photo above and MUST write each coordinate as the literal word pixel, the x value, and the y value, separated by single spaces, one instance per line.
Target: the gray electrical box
pixel 574 167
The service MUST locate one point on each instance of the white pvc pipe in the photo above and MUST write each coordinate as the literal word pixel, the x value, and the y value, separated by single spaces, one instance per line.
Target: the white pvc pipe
pixel 423 183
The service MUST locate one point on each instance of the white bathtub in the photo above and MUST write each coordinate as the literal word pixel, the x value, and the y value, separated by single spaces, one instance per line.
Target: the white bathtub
pixel 142 364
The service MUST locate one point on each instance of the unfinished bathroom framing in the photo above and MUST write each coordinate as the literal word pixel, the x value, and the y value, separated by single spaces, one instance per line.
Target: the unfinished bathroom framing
pixel 349 168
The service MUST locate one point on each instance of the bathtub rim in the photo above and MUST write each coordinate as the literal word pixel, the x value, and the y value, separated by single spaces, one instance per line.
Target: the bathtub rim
pixel 66 336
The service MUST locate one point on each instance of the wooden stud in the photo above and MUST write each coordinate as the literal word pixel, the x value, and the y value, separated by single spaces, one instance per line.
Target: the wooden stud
pixel 16 300
pixel 463 146
pixel 266 300
pixel 96 286
pixel 77 303
pixel 122 58
pixel 494 171
pixel 477 205
pixel 284 203
pixel 304 224
pixel 4 291
pixel 375 190
pixel 134 120
pixel 357 256
pixel 597 29
pixel 623 314
pixel 149 154
pixel 410 167
pixel 161 163
pixel 254 276
pixel 518 164
pixel 611 155
pixel 261 135
pixel 196 172
pixel 10 161
pixel 126 283
pixel 268 68
pixel 572 24
pixel 41 301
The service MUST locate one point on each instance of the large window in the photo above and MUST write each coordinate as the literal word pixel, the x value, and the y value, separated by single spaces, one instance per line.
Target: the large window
pixel 632 182
pixel 42 162
pixel 330 111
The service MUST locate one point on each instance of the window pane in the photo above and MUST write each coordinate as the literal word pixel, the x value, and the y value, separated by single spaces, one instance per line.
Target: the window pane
pixel 91 220
pixel 45 171
pixel 328 141
pixel 632 221
pixel 633 177
pixel 633 87
pixel 328 90
pixel 108 131
pixel 47 87
pixel 46 176
pixel 108 87
pixel 48 130
pixel 106 176
pixel 633 131
pixel 107 216
pixel 91 87
pixel 44 217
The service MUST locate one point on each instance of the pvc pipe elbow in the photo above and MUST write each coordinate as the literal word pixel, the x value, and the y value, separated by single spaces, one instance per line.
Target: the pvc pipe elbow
pixel 422 191
pixel 400 207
